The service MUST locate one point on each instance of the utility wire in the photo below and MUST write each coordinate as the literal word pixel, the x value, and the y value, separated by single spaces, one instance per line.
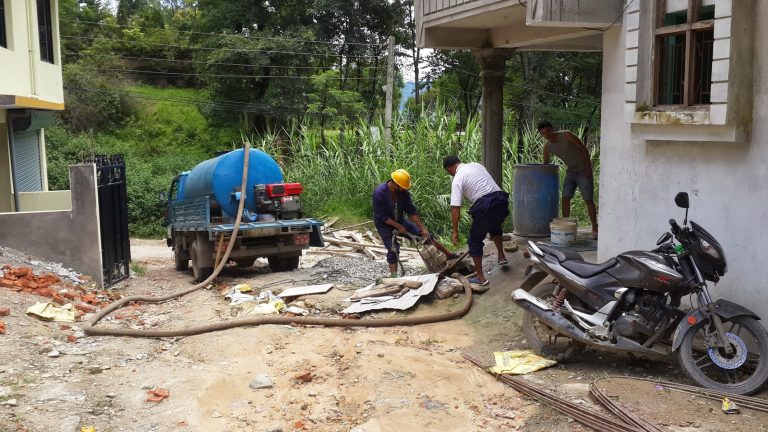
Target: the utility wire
pixel 222 105
pixel 182 74
pixel 227 34
pixel 523 86
pixel 83 55
pixel 221 49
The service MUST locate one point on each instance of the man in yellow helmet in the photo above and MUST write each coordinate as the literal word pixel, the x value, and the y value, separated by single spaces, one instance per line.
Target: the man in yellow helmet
pixel 391 202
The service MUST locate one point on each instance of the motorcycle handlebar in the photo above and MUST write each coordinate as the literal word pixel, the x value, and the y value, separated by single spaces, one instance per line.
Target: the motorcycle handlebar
pixel 675 227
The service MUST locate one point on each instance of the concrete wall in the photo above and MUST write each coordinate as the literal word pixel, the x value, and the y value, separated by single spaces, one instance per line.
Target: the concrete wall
pixel 69 237
pixel 639 177
pixel 23 73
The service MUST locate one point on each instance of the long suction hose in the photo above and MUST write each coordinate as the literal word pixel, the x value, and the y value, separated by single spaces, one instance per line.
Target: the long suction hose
pixel 91 330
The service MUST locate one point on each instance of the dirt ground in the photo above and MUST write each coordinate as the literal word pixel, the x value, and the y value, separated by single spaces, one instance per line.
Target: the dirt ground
pixel 360 379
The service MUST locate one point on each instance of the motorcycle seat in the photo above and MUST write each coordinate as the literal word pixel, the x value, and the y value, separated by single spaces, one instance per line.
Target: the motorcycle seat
pixel 561 255
pixel 587 269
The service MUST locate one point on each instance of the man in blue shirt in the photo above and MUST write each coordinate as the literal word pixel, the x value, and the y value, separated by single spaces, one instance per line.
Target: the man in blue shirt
pixel 391 202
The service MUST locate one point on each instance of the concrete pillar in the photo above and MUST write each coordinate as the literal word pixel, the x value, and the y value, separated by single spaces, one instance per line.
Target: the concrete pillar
pixel 492 62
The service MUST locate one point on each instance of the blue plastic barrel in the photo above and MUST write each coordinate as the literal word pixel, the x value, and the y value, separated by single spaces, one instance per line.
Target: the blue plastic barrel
pixel 536 196
pixel 220 177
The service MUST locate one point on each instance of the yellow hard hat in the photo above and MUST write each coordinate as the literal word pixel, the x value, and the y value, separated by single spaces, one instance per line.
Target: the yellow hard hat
pixel 402 178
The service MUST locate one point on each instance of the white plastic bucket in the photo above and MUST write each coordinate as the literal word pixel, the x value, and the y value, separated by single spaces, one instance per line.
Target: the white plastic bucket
pixel 563 231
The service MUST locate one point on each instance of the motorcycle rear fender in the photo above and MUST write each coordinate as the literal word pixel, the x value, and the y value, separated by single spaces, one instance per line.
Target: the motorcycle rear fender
pixel 725 309
pixel 534 275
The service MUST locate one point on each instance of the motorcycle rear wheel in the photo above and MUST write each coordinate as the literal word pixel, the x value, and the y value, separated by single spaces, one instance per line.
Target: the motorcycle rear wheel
pixel 745 371
pixel 542 339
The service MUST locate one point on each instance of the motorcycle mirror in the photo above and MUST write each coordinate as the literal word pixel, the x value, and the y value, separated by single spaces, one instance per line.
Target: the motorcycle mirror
pixel 681 199
pixel 664 238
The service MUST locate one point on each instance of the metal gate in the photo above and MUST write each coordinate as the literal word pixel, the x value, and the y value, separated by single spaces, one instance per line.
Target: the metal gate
pixel 113 217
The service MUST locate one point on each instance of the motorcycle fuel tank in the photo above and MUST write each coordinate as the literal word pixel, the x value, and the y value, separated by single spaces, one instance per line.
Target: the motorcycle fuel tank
pixel 645 270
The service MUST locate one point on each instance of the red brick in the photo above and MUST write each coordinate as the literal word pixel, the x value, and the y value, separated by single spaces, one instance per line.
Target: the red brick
pixel 155 399
pixel 85 307
pixel 45 292
pixel 161 392
pixel 68 295
pixel 88 298
pixel 71 338
pixel 58 299
pixel 5 311
pixel 6 282
pixel 65 327
pixel 2 327
pixel 305 376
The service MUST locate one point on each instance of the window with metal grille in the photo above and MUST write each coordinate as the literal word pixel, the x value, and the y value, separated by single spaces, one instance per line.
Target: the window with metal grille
pixel 45 30
pixel 3 38
pixel 684 41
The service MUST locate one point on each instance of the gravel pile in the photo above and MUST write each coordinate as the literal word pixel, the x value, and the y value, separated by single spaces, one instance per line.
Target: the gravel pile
pixel 358 271
pixel 18 258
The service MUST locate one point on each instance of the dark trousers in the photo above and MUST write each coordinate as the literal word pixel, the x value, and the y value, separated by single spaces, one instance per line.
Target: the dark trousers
pixel 488 213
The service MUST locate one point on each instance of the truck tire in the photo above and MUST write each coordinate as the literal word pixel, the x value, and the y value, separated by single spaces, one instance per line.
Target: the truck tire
pixel 181 259
pixel 200 254
pixel 281 264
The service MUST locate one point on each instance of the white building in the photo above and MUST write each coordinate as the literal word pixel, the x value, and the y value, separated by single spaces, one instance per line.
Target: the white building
pixel 30 91
pixel 61 226
pixel 683 109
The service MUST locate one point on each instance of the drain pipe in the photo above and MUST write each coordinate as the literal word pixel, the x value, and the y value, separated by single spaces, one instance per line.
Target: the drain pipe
pixel 9 121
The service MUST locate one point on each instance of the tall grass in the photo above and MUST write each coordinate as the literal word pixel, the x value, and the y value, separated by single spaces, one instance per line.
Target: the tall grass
pixel 339 175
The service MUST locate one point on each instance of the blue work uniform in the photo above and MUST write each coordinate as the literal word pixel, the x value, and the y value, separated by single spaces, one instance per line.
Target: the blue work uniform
pixel 384 207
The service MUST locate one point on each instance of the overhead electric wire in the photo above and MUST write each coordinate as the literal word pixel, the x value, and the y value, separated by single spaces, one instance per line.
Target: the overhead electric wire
pixel 187 47
pixel 228 34
pixel 211 63
pixel 224 105
pixel 534 89
pixel 184 74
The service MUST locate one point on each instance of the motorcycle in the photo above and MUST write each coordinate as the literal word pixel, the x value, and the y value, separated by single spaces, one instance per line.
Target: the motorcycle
pixel 632 303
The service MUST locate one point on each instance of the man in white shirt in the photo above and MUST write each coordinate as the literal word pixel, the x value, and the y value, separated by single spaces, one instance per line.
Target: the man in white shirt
pixel 490 206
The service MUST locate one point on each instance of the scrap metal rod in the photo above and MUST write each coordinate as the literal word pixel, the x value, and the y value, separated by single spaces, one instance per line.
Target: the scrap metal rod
pixel 754 403
pixel 619 411
pixel 587 417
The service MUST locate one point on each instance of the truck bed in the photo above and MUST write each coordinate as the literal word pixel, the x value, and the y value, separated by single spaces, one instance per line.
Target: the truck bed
pixel 195 215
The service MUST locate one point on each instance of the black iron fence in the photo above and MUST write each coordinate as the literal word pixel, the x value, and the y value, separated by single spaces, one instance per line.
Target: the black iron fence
pixel 113 217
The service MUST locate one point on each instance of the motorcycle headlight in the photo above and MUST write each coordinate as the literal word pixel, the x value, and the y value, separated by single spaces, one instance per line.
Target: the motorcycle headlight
pixel 709 249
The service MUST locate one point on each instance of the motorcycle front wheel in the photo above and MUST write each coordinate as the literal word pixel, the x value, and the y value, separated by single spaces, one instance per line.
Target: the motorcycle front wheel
pixel 742 371
pixel 541 338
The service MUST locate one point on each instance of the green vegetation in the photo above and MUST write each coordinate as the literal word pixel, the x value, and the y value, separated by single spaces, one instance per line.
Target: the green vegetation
pixel 168 83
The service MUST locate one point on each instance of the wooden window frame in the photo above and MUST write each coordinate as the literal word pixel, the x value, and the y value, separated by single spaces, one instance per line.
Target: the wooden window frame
pixel 691 26
pixel 45 31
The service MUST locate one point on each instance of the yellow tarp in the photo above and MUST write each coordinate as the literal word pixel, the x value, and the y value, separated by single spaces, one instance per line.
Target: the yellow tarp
pixel 51 312
pixel 519 362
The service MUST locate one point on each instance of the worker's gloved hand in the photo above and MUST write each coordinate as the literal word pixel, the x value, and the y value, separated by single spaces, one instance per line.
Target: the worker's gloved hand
pixel 455 238
pixel 425 233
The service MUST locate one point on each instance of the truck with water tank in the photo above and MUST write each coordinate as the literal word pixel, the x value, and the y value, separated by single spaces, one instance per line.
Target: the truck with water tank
pixel 202 207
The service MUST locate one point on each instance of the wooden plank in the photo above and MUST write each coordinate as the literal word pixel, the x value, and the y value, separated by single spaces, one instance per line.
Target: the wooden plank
pixel 374 238
pixel 329 223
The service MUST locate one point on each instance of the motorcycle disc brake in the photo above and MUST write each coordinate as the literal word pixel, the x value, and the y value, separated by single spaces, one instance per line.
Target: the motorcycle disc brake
pixel 733 360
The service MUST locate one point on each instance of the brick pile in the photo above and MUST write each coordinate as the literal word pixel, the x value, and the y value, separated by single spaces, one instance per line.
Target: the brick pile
pixel 23 279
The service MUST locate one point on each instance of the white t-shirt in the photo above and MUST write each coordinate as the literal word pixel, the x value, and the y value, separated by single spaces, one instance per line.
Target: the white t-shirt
pixel 471 181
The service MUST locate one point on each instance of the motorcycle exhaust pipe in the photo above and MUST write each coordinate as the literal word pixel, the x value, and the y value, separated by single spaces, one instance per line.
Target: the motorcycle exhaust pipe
pixel 544 312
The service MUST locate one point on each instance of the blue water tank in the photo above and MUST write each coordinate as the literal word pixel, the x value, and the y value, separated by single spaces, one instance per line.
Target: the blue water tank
pixel 219 178
pixel 536 196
